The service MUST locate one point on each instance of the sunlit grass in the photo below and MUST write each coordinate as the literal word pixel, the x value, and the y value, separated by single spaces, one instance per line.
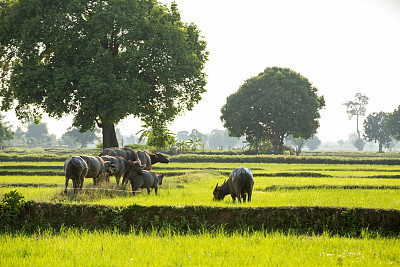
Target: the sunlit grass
pixel 77 248
pixel 196 189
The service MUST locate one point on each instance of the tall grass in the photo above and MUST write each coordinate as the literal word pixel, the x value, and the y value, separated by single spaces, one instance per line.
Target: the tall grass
pixel 82 248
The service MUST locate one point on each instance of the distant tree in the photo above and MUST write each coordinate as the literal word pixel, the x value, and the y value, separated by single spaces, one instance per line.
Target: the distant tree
pixel 99 61
pixel 298 143
pixel 272 105
pixel 182 135
pixel 38 131
pixel 392 123
pixel 374 130
pixel 19 137
pixel 5 131
pixel 68 141
pixel 313 143
pixel 357 108
pixel 83 139
pixel 341 143
pixel 197 134
pixel 216 139
pixel 359 143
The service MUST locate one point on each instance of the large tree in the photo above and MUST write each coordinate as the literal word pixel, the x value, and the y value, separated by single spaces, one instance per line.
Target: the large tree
pixel 100 61
pixel 272 105
pixel 375 130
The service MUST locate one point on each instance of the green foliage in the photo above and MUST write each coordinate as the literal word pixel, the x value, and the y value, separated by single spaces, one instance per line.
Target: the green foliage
pixel 375 130
pixel 84 57
pixel 392 123
pixel 276 103
pixel 359 144
pixel 313 143
pixel 11 205
pixel 83 138
pixel 157 135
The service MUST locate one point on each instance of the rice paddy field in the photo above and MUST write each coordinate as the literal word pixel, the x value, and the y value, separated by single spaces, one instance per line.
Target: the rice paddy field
pixel 367 186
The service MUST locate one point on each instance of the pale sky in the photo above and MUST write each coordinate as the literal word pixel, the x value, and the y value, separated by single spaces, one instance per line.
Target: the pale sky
pixel 343 47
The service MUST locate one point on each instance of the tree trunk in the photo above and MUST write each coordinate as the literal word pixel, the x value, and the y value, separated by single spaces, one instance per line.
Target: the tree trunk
pixel 109 136
pixel 380 148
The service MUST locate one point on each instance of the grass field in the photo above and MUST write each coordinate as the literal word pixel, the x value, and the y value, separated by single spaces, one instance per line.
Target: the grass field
pixel 77 248
pixel 191 184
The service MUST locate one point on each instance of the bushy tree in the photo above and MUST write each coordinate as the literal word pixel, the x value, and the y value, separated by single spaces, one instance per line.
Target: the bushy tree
pixel 83 139
pixel 100 61
pixel 6 132
pixel 313 143
pixel 272 105
pixel 37 131
pixel 392 123
pixel 374 130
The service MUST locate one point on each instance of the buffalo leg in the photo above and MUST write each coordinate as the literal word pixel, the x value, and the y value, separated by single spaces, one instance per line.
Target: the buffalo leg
pixel 66 184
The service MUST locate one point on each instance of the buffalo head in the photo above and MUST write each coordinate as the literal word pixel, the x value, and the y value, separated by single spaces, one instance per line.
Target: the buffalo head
pixel 160 178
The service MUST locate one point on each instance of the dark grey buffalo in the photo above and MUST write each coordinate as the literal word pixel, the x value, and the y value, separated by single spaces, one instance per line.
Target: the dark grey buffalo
pixel 148 159
pixel 98 169
pixel 239 183
pixel 75 168
pixel 125 153
pixel 147 180
pixel 123 167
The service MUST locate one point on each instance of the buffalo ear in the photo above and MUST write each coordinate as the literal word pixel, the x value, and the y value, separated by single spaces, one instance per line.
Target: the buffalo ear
pixel 216 185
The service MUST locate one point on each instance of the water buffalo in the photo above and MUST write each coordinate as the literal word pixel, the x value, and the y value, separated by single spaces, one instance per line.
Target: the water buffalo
pixel 147 180
pixel 123 167
pixel 75 168
pixel 98 168
pixel 125 153
pixel 148 159
pixel 239 183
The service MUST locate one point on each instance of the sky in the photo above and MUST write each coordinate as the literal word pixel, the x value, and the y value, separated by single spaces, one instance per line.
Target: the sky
pixel 343 47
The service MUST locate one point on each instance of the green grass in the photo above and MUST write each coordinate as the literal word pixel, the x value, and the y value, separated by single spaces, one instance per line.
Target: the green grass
pixel 77 248
pixel 196 189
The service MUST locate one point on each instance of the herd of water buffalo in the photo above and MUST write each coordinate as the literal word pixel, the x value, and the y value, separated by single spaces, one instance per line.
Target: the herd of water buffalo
pixel 135 167
pixel 122 162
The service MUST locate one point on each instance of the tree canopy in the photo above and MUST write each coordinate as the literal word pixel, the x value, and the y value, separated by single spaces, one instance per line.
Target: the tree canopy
pixel 100 61
pixel 392 123
pixel 272 105
pixel 6 132
pixel 374 130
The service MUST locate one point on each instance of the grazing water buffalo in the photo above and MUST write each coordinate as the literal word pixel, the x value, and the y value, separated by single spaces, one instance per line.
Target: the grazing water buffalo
pixel 289 148
pixel 125 153
pixel 123 167
pixel 147 180
pixel 75 168
pixel 148 159
pixel 239 183
pixel 98 169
